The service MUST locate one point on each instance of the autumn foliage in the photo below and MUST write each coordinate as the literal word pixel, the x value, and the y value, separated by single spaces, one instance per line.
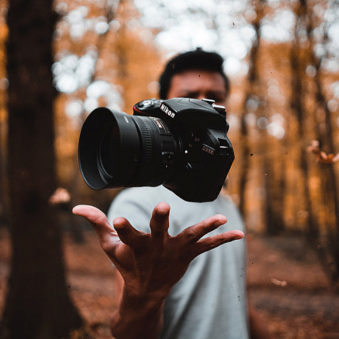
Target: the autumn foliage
pixel 282 111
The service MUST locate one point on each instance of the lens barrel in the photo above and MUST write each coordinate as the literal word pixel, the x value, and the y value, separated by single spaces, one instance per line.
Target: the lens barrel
pixel 121 150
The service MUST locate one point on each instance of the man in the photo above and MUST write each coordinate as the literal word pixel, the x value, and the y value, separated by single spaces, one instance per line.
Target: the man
pixel 178 281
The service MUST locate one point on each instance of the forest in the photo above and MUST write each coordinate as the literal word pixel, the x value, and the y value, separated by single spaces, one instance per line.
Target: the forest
pixel 61 59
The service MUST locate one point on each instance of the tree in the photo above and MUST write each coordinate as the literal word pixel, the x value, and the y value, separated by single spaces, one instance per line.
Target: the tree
pixel 329 251
pixel 37 304
pixel 3 126
pixel 250 94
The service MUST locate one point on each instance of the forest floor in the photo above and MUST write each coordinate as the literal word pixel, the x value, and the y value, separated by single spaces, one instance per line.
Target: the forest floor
pixel 286 285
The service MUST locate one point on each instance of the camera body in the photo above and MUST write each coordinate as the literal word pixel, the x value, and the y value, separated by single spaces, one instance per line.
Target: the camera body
pixel 180 143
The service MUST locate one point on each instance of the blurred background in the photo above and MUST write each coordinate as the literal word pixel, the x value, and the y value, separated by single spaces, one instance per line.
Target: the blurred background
pixel 60 60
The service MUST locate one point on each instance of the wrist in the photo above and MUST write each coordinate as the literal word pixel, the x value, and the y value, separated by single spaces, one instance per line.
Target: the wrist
pixel 151 291
pixel 138 314
pixel 146 301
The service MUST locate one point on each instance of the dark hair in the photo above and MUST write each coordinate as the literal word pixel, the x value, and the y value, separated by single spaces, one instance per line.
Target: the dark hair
pixel 192 60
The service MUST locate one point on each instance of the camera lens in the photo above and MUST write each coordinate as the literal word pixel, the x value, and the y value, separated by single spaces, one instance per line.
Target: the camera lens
pixel 107 148
pixel 120 150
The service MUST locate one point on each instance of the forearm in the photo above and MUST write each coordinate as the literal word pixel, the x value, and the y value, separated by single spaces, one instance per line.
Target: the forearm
pixel 138 317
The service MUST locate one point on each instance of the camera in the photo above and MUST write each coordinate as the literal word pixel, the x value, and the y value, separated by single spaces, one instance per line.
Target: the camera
pixel 180 143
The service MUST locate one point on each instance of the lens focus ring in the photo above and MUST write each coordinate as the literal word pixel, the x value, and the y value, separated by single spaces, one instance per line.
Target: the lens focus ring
pixel 146 138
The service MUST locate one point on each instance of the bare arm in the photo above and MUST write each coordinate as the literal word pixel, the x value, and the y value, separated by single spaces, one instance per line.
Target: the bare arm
pixel 150 264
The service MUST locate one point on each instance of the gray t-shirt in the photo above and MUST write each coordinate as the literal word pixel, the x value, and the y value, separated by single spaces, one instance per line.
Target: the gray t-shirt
pixel 209 302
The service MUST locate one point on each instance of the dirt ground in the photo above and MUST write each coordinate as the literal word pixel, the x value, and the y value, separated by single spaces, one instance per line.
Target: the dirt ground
pixel 285 282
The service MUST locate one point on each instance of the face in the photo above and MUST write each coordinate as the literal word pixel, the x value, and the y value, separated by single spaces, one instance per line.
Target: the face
pixel 198 84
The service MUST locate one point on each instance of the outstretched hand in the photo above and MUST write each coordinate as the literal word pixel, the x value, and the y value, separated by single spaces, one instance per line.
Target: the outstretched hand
pixel 151 264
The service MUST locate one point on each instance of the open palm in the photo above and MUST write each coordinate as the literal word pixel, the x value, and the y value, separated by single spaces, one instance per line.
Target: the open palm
pixel 151 263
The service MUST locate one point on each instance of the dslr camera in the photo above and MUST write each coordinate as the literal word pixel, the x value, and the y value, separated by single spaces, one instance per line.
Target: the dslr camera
pixel 180 143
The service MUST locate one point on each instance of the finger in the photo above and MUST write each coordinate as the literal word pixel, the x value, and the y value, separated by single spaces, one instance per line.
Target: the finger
pixel 195 232
pixel 159 222
pixel 209 243
pixel 98 220
pixel 127 233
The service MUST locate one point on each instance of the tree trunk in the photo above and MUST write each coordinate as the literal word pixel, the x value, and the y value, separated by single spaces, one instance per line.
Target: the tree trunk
pixel 38 304
pixel 298 80
pixel 244 149
pixel 274 186
pixel 3 179
pixel 328 174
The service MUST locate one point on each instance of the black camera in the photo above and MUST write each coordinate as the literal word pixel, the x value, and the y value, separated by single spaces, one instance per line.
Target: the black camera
pixel 180 143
